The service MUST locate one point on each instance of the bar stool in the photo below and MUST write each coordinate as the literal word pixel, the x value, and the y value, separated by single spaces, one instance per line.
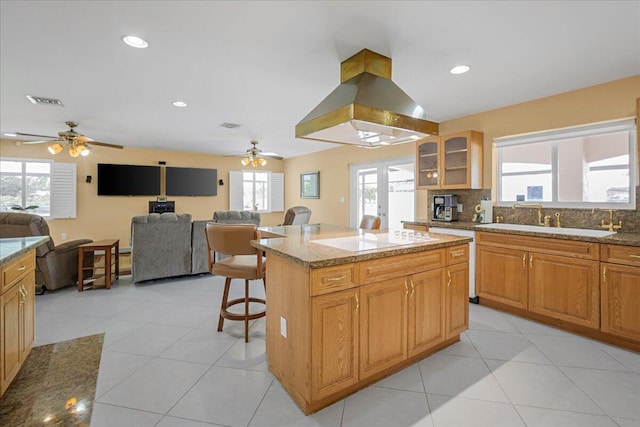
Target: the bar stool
pixel 243 261
pixel 370 222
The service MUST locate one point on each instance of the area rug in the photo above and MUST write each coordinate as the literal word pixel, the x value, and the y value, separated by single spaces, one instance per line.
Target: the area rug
pixel 56 386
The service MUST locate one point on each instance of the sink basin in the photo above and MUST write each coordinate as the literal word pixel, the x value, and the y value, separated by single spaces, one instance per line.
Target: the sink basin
pixel 549 230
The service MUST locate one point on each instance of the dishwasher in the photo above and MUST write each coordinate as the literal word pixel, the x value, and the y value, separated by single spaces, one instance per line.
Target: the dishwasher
pixel 472 256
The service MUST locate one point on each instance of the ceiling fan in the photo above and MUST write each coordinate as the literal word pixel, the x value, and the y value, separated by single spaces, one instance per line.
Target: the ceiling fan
pixel 255 157
pixel 78 145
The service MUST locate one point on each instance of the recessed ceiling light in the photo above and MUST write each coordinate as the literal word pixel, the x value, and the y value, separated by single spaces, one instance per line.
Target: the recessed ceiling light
pixel 179 104
pixel 10 134
pixel 136 42
pixel 460 69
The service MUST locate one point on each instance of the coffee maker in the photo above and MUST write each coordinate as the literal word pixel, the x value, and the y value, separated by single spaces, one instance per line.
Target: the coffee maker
pixel 445 207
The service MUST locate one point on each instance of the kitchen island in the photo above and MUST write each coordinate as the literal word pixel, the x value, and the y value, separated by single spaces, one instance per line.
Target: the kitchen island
pixel 347 307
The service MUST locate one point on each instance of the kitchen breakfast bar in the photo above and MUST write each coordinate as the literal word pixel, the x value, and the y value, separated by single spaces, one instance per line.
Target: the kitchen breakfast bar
pixel 347 307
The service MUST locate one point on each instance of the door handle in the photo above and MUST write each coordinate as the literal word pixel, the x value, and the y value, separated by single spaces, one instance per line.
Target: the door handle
pixel 604 274
pixel 406 288
pixel 530 261
pixel 357 302
pixel 449 276
pixel 413 288
pixel 524 260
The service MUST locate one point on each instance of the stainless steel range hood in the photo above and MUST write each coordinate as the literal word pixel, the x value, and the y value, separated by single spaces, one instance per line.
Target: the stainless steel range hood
pixel 367 108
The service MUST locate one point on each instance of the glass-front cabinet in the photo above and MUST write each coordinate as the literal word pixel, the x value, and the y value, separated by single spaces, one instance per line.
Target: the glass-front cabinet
pixel 450 161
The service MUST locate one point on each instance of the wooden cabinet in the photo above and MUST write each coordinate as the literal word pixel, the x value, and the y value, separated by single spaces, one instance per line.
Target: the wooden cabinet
pixel 552 277
pixel 417 227
pixel 620 288
pixel 17 316
pixel 457 299
pixel 450 162
pixel 426 315
pixel 335 343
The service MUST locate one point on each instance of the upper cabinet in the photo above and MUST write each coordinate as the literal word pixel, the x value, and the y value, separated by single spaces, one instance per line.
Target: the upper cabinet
pixel 450 161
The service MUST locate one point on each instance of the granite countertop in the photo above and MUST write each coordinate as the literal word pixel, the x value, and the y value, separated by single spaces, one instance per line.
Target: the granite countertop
pixel 619 238
pixel 13 247
pixel 324 245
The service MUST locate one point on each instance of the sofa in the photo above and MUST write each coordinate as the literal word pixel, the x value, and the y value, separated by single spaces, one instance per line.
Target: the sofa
pixel 56 265
pixel 169 245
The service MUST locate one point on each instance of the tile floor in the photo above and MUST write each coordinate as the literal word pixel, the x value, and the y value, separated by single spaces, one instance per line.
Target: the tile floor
pixel 163 364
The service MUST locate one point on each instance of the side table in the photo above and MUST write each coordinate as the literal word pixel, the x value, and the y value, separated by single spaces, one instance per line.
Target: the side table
pixel 111 249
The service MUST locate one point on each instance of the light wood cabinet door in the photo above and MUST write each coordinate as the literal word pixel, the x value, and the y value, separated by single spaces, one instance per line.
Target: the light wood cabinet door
pixel 334 347
pixel 27 316
pixel 620 288
pixel 383 325
pixel 10 312
pixel 428 162
pixel 501 275
pixel 457 300
pixel 426 310
pixel 565 288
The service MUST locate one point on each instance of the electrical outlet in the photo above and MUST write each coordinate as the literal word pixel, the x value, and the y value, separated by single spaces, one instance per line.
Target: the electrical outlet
pixel 459 207
pixel 64 236
pixel 342 199
pixel 283 326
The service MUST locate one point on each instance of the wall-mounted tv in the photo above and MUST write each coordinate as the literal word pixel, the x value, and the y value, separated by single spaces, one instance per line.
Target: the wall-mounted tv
pixel 128 180
pixel 191 182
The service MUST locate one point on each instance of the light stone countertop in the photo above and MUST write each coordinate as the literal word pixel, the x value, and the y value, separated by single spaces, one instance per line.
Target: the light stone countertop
pixel 620 238
pixel 324 245
pixel 13 247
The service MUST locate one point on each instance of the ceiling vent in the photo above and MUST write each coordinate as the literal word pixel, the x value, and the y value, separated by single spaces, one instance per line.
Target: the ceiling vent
pixel 44 101
pixel 367 108
pixel 229 125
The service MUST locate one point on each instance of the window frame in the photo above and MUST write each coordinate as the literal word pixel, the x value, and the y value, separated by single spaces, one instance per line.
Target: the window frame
pixel 268 184
pixel 23 181
pixel 553 136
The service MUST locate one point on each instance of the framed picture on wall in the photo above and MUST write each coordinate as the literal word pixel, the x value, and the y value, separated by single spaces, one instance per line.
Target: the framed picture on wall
pixel 310 185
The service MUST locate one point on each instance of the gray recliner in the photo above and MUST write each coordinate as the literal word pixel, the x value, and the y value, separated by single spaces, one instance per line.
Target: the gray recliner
pixel 56 265
pixel 237 217
pixel 160 246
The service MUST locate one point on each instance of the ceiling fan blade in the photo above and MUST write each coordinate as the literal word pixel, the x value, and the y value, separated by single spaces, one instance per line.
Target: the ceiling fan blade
pixel 104 144
pixel 271 156
pixel 33 134
pixel 39 142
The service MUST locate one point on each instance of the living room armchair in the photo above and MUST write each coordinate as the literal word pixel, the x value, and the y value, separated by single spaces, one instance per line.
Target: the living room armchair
pixel 56 265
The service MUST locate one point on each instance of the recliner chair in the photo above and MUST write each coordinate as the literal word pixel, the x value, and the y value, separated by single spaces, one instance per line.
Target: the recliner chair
pixel 297 215
pixel 56 265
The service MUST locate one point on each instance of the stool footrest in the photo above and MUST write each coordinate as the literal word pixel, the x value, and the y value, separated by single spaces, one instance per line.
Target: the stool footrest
pixel 250 316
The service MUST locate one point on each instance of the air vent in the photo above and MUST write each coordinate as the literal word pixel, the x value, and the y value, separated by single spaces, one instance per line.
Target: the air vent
pixel 229 125
pixel 45 101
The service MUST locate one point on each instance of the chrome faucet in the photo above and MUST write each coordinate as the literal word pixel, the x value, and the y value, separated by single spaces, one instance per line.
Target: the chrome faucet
pixel 542 222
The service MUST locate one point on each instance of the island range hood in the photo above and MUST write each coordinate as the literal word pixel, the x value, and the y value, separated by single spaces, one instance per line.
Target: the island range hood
pixel 367 109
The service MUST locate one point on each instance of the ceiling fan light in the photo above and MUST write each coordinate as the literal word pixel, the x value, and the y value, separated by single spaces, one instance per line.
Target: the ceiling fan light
pixel 262 161
pixel 245 161
pixel 55 148
pixel 254 163
pixel 84 150
pixel 74 151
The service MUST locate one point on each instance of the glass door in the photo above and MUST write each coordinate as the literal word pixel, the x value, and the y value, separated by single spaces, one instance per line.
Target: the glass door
pixel 385 189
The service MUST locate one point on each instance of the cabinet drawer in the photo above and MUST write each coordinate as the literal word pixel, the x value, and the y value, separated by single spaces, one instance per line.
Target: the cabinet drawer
pixel 16 269
pixel 457 254
pixel 570 248
pixel 619 254
pixel 332 279
pixel 416 227
pixel 399 266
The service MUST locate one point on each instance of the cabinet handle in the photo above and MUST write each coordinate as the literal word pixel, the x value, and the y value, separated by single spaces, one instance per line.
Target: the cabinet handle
pixel 413 288
pixel 457 254
pixel 357 302
pixel 449 276
pixel 335 279
pixel 406 289
pixel 22 294
pixel 604 274
pixel 530 261
pixel 634 256
pixel 22 267
pixel 524 260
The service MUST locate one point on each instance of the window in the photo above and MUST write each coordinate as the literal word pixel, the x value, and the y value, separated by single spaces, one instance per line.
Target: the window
pixel 261 191
pixel 586 166
pixel 48 185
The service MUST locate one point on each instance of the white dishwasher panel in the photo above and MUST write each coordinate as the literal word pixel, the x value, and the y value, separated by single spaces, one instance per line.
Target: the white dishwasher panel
pixel 472 253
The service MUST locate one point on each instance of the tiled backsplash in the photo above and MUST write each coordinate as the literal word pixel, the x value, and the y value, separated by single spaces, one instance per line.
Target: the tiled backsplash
pixel 573 218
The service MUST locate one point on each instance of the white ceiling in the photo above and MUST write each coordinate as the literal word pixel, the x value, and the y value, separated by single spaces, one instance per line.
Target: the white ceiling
pixel 266 64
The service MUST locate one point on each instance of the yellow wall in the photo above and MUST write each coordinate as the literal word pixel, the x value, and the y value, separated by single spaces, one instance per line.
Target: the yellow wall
pixel 607 101
pixel 109 217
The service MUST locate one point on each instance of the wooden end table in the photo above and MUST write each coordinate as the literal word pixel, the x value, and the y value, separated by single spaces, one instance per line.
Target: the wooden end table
pixel 111 248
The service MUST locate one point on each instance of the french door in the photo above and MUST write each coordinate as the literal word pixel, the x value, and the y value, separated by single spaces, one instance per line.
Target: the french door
pixel 385 189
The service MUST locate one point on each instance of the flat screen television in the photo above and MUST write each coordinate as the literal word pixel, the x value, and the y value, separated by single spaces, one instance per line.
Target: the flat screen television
pixel 128 180
pixel 191 182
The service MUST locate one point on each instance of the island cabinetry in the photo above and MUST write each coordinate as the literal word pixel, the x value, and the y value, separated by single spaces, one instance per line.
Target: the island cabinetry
pixel 620 289
pixel 336 329
pixel 551 277
pixel 17 311
pixel 450 162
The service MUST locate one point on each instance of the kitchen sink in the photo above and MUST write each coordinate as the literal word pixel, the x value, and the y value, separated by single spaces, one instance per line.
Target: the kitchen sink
pixel 548 230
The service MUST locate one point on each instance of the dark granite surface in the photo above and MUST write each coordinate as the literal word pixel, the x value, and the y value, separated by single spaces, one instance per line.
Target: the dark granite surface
pixel 298 243
pixel 56 385
pixel 13 247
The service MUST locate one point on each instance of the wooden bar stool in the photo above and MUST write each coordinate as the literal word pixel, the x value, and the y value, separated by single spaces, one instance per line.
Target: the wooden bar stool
pixel 243 261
